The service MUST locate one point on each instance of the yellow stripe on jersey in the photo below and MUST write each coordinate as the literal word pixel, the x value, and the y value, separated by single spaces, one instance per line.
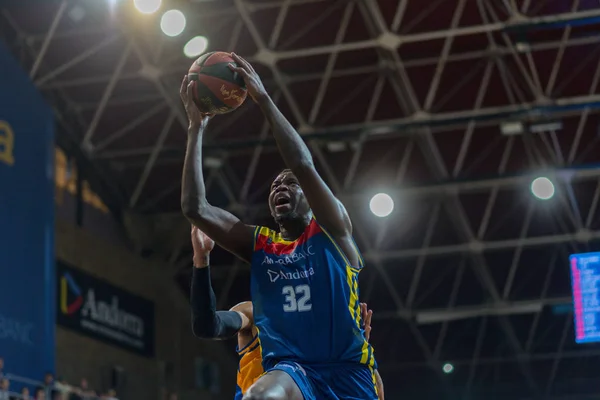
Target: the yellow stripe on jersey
pixel 367 356
pixel 259 344
pixel 353 303
pixel 351 273
pixel 274 236
pixel 256 231
pixel 353 298
pixel 374 379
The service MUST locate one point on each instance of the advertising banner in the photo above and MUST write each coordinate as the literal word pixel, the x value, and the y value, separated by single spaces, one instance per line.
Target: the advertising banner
pixel 97 309
pixel 27 314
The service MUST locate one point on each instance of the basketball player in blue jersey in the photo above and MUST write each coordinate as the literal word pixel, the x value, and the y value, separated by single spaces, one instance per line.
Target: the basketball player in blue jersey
pixel 208 323
pixel 304 278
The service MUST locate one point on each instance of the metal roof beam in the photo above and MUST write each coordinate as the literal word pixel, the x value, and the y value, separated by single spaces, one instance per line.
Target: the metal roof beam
pixel 48 38
pixel 434 316
pixel 396 298
pixel 584 353
pixel 151 160
pixel 87 139
pixel 456 212
pixel 244 147
pixel 561 345
pixel 483 185
pixel 559 20
pixel 69 124
pixel 295 78
pixel 75 60
pixel 477 247
pixel 438 121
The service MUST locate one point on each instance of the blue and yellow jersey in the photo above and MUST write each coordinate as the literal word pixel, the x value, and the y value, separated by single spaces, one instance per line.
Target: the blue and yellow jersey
pixel 305 298
pixel 238 393
pixel 250 367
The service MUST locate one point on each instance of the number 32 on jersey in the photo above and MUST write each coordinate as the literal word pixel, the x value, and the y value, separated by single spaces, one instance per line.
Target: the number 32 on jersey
pixel 296 298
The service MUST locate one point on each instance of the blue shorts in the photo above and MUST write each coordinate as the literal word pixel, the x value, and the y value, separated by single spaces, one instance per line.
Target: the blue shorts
pixel 331 382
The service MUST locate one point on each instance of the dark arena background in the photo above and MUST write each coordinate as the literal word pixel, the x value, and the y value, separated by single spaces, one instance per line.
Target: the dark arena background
pixel 479 119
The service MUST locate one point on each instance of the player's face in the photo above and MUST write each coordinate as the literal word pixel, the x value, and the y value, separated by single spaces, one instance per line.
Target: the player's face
pixel 287 199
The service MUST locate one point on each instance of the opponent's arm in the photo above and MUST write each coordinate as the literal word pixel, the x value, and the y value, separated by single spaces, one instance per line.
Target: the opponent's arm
pixel 327 208
pixel 208 323
pixel 225 228
pixel 379 385
pixel 247 311
pixel 367 315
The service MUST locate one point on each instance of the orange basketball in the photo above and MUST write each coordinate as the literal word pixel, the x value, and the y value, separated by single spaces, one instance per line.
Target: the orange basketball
pixel 218 89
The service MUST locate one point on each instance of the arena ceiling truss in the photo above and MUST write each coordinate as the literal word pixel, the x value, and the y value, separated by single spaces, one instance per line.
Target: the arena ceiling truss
pixel 450 106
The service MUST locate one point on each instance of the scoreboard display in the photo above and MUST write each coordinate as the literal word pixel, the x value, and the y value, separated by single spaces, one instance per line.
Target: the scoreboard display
pixel 585 277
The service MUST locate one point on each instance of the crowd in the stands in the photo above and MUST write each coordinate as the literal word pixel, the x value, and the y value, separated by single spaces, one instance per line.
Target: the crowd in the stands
pixel 48 389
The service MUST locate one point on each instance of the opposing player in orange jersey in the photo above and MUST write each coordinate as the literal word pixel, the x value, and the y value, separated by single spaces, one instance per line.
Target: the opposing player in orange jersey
pixel 207 322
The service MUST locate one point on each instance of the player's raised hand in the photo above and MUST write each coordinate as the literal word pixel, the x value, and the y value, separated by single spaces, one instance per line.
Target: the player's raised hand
pixel 202 245
pixel 255 87
pixel 197 119
pixel 366 317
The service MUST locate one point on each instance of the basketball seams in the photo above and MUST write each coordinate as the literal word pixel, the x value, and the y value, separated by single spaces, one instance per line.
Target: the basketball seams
pixel 214 71
pixel 202 59
pixel 217 90
pixel 217 57
pixel 212 81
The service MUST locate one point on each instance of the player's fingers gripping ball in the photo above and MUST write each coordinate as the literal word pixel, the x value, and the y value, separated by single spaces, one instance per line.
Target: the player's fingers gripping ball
pixel 217 89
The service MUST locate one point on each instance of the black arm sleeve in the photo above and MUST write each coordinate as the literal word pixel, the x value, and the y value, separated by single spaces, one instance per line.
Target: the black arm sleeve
pixel 208 323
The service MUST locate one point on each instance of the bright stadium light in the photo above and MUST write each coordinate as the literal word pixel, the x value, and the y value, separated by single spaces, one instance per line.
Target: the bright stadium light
pixel 147 6
pixel 195 46
pixel 172 23
pixel 381 205
pixel 542 188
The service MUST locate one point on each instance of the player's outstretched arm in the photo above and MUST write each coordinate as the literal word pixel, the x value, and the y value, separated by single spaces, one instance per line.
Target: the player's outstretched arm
pixel 208 323
pixel 225 228
pixel 327 208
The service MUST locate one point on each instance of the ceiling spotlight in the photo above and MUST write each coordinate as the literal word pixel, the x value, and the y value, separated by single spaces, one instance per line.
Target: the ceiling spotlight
pixel 172 23
pixel 542 188
pixel 147 6
pixel 381 205
pixel 447 368
pixel 195 46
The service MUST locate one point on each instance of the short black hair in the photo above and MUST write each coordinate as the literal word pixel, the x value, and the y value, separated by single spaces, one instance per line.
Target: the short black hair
pixel 283 171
